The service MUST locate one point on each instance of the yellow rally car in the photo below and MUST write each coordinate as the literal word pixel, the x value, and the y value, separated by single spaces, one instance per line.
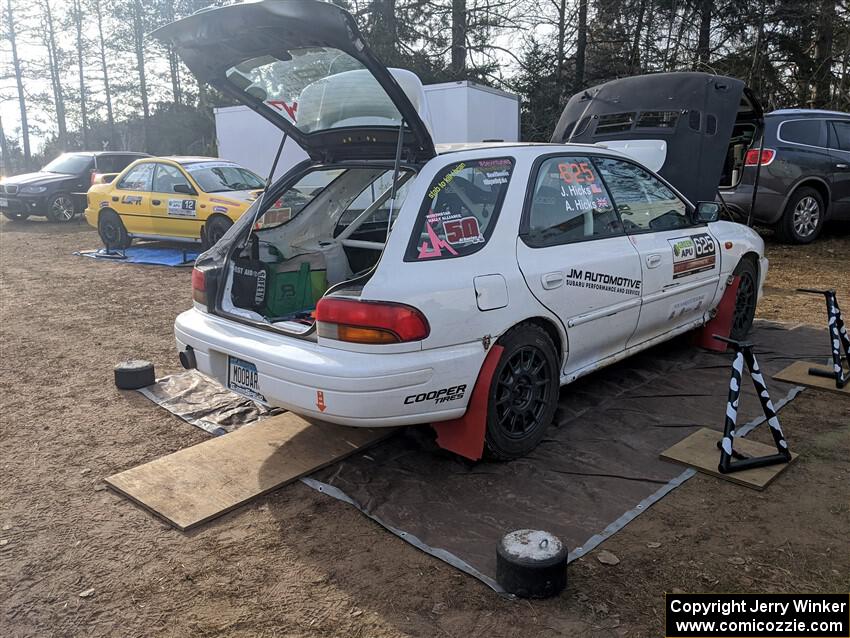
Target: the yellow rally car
pixel 186 198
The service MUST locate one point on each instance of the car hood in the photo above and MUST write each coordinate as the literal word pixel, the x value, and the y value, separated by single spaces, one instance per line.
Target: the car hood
pixel 683 121
pixel 304 66
pixel 234 198
pixel 39 177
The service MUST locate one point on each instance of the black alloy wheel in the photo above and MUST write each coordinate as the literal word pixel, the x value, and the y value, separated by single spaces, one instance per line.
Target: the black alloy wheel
pixel 523 393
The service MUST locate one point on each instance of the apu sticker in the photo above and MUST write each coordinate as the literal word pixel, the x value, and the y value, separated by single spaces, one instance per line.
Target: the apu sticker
pixel 219 209
pixel 693 254
pixel 131 199
pixel 181 208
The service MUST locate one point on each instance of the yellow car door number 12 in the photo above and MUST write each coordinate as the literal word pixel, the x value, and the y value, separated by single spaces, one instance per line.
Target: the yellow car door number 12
pixel 182 208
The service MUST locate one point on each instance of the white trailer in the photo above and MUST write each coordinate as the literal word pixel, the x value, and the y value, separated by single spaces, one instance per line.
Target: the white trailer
pixel 459 112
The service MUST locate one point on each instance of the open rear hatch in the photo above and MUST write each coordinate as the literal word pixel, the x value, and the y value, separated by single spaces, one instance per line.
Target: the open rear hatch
pixel 303 65
pixel 691 128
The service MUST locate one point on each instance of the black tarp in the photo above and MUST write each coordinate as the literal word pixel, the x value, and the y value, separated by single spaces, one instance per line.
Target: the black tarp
pixel 596 470
pixel 694 113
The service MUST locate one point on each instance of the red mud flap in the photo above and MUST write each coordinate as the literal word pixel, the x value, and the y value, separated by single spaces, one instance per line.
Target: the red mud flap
pixel 465 436
pixel 722 323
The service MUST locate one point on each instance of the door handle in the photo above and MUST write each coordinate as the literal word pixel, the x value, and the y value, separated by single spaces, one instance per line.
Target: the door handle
pixel 552 280
pixel 156 202
pixel 653 261
pixel 841 166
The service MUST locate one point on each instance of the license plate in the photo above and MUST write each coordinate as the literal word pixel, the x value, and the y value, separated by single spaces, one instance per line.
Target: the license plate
pixel 4 202
pixel 242 377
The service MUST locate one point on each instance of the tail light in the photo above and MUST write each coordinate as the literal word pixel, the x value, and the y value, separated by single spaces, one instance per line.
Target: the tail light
pixel 94 177
pixel 199 286
pixel 369 321
pixel 752 158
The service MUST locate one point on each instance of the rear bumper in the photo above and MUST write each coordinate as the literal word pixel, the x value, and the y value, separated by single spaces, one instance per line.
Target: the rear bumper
pixel 769 203
pixel 357 389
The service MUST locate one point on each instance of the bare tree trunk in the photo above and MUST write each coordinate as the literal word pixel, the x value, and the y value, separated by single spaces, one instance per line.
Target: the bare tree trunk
pixel 666 58
pixel 5 165
pixel 704 41
pixel 84 116
pixel 459 28
pixel 680 34
pixel 634 58
pixel 561 7
pixel 173 62
pixel 19 81
pixel 581 43
pixel 822 80
pixel 139 42
pixel 110 118
pixel 49 37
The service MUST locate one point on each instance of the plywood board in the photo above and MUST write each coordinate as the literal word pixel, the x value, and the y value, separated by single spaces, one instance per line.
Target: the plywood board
pixel 204 481
pixel 700 451
pixel 798 373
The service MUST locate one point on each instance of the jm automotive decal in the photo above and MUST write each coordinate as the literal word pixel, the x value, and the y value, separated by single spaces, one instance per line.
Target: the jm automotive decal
pixel 181 208
pixel 693 254
pixel 602 281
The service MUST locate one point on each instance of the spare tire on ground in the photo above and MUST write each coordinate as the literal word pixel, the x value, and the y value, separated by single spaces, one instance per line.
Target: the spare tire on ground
pixel 134 374
pixel 531 564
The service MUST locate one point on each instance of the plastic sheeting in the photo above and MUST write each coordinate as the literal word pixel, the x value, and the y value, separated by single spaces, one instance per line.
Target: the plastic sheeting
pixel 597 469
pixel 151 255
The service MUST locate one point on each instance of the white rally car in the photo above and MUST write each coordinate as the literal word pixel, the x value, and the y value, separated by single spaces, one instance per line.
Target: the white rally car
pixel 369 284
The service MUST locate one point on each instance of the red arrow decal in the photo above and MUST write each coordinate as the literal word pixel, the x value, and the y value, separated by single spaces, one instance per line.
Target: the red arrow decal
pixel 320 400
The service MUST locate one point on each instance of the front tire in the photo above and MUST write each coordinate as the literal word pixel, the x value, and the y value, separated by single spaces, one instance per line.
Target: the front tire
pixel 803 218
pixel 215 229
pixel 60 208
pixel 745 300
pixel 112 231
pixel 523 393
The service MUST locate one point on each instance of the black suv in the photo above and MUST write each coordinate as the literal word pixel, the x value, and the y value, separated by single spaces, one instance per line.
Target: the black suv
pixel 805 172
pixel 58 190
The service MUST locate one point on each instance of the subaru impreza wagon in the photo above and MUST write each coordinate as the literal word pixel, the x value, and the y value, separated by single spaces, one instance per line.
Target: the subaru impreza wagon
pixel 369 284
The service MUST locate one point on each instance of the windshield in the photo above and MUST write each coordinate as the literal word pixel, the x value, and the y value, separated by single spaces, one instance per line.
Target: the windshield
pixel 69 164
pixel 317 88
pixel 217 177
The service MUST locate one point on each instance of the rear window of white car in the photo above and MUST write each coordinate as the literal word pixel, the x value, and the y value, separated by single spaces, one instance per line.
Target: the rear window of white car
pixel 460 209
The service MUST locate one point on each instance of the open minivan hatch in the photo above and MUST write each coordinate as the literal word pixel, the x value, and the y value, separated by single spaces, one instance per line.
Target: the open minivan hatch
pixel 694 129
pixel 303 65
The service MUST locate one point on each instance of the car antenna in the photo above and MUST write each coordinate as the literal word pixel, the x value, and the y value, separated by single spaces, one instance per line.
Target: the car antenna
pixel 262 196
pixel 396 166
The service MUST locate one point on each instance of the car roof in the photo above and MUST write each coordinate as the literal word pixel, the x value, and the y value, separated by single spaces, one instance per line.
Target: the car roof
pixel 809 112
pixel 443 149
pixel 185 160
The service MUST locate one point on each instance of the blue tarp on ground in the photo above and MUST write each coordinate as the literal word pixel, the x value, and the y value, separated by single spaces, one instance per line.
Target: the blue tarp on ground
pixel 153 255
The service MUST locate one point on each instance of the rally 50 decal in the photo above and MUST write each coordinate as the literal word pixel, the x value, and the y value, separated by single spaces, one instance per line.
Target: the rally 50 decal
pixel 693 254
pixel 181 208
pixel 437 396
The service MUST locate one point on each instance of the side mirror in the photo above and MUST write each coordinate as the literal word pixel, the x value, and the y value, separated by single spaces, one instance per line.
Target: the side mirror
pixel 185 189
pixel 708 212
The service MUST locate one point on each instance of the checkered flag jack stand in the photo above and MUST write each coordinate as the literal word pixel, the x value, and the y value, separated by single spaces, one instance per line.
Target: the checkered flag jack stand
pixel 744 355
pixel 838 339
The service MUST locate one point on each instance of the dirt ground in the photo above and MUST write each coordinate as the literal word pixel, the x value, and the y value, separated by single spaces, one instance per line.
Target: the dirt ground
pixel 297 563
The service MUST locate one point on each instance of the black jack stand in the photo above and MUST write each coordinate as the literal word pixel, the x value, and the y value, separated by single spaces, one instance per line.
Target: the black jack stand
pixel 838 339
pixel 744 354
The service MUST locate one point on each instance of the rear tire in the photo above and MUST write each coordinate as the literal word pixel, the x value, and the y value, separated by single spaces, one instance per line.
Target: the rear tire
pixel 523 393
pixel 215 229
pixel 745 300
pixel 60 208
pixel 16 217
pixel 803 218
pixel 112 232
